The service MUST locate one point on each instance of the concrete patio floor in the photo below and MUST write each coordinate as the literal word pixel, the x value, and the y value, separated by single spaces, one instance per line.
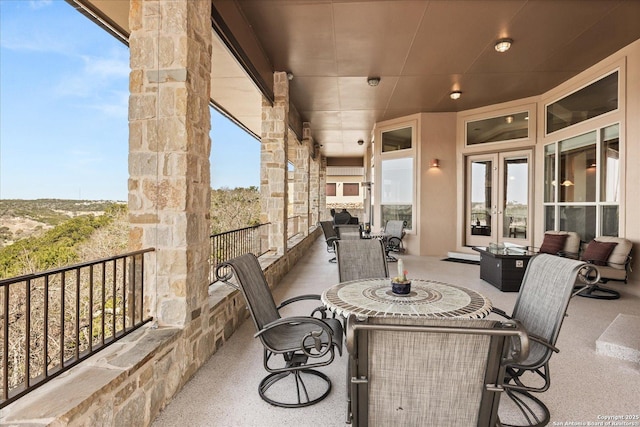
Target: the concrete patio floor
pixel 586 387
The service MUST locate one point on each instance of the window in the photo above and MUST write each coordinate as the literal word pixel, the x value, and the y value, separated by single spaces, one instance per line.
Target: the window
pixel 397 190
pixel 350 189
pixel 331 189
pixel 498 129
pixel 582 184
pixel 394 140
pixel 591 101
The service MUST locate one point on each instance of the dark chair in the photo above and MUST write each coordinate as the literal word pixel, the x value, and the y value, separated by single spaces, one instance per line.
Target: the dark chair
pixel 541 305
pixel 342 217
pixel 361 259
pixel 393 235
pixel 435 372
pixel 304 342
pixel 330 236
pixel 348 231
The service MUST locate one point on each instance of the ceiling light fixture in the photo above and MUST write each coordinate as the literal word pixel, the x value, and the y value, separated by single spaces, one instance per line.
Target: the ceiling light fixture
pixel 360 141
pixel 509 119
pixel 455 94
pixel 373 81
pixel 503 45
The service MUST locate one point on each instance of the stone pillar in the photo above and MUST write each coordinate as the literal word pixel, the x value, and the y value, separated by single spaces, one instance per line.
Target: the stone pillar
pixel 322 187
pixel 169 148
pixel 314 175
pixel 273 163
pixel 301 184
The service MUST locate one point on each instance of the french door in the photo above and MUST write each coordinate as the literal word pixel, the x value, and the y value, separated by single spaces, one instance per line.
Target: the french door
pixel 498 198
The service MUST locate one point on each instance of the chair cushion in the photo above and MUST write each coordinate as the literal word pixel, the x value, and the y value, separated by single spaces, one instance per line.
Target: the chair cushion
pixel 598 252
pixel 553 243
pixel 620 254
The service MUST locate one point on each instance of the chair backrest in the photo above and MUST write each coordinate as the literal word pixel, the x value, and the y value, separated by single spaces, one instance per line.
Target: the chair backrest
pixel 571 244
pixel 348 231
pixel 541 305
pixel 342 217
pixel 394 228
pixel 361 259
pixel 619 256
pixel 250 279
pixel 328 230
pixel 435 372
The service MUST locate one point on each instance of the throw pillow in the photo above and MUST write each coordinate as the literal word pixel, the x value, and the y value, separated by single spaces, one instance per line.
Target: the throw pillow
pixel 553 243
pixel 598 252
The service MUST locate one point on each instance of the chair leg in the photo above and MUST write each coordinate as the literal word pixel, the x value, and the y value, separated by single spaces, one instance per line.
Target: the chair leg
pixel 524 410
pixel 598 292
pixel 302 394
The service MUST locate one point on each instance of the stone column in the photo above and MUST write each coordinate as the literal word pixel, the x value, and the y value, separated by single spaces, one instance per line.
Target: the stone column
pixel 273 163
pixel 169 148
pixel 322 188
pixel 301 185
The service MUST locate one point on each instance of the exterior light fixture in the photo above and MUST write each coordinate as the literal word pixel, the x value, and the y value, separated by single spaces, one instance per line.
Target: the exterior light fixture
pixel 503 45
pixel 455 94
pixel 435 163
pixel 373 81
pixel 360 141
pixel 290 75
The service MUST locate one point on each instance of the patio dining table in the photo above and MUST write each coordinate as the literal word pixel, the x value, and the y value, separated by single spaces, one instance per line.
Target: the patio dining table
pixel 428 298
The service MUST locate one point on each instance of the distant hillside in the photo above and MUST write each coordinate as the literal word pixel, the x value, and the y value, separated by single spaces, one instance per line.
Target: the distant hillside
pixel 20 219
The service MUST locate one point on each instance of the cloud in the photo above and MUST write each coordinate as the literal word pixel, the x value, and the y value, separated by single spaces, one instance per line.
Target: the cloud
pixel 39 4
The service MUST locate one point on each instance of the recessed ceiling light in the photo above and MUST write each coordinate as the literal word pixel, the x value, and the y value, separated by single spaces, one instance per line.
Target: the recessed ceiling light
pixel 373 81
pixel 455 94
pixel 503 45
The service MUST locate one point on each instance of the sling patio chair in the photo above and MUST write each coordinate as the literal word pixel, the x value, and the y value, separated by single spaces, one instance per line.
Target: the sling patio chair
pixel 393 235
pixel 348 231
pixel 361 259
pixel 408 371
pixel 330 236
pixel 304 342
pixel 540 307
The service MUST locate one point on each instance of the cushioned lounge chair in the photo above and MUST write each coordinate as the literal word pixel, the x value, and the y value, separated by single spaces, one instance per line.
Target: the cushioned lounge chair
pixel 611 257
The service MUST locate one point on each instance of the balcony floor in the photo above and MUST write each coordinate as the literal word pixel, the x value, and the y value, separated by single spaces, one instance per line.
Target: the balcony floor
pixel 585 387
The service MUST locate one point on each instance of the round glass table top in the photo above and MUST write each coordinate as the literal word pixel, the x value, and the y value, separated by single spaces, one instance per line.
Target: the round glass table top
pixel 430 299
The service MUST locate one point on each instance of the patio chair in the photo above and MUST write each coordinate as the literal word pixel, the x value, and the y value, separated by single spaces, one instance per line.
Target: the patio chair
pixel 304 342
pixel 541 305
pixel 361 259
pixel 330 236
pixel 430 372
pixel 348 231
pixel 611 257
pixel 394 232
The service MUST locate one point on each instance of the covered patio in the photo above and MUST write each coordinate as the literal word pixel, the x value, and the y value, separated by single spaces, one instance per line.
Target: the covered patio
pixel 585 385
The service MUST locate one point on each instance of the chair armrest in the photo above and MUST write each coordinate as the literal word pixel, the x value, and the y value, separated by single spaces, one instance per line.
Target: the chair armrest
pixel 314 335
pixel 501 313
pixel 321 309
pixel 540 340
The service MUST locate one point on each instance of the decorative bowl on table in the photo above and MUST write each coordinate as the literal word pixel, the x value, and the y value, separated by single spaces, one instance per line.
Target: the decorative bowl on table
pixel 400 287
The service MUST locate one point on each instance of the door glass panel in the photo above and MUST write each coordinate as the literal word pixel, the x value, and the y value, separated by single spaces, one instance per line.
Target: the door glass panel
pixel 481 188
pixel 516 202
pixel 577 181
pixel 610 161
pixel 581 219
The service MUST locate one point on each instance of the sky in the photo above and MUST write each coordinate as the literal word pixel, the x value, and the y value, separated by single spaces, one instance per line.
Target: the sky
pixel 63 110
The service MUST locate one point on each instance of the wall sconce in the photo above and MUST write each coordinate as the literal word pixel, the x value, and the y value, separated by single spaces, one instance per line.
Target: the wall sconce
pixel 435 163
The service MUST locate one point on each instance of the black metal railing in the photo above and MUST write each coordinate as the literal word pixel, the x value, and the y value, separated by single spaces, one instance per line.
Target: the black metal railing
pixel 233 243
pixel 50 321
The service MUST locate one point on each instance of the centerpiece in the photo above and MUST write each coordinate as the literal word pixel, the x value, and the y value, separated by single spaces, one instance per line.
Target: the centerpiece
pixel 400 285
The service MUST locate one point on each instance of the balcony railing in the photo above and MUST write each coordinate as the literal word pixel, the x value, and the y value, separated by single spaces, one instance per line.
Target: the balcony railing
pixel 230 244
pixel 51 321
